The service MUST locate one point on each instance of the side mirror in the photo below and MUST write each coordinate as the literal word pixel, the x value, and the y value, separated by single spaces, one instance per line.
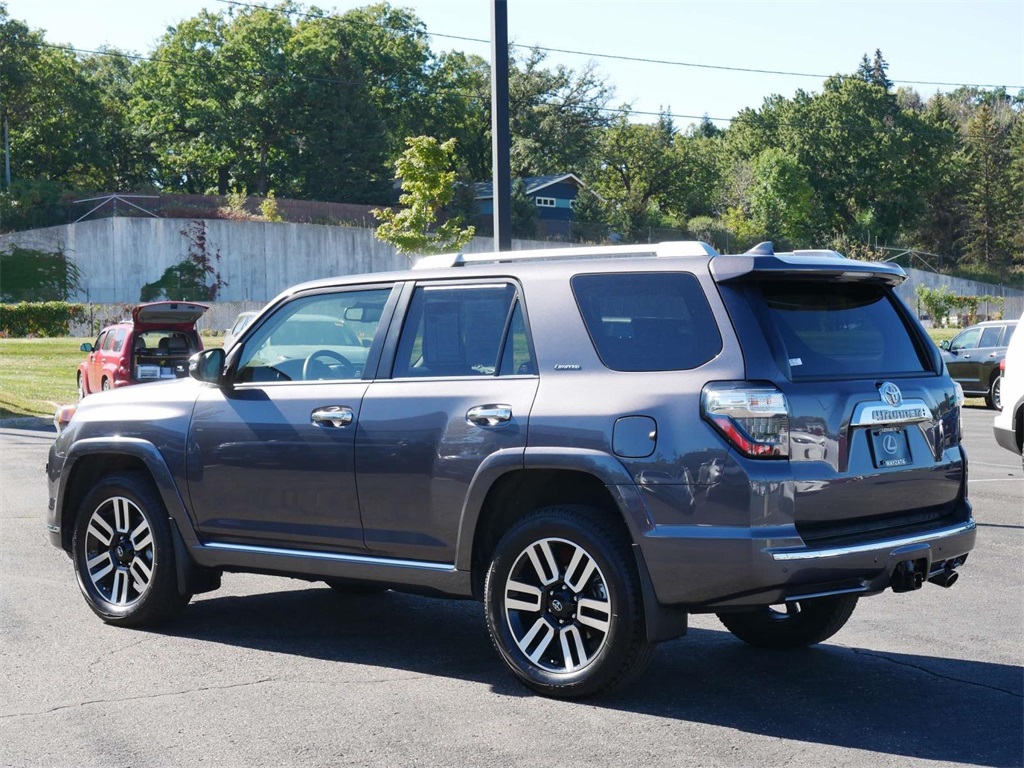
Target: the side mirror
pixel 207 365
pixel 944 344
pixel 87 347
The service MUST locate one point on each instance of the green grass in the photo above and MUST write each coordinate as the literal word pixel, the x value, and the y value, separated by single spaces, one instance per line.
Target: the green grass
pixel 37 375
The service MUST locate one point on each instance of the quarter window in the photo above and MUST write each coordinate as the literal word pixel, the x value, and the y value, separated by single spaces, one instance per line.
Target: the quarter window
pixel 648 321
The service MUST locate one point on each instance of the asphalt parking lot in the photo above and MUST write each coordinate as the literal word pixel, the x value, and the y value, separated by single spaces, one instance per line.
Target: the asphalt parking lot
pixel 271 671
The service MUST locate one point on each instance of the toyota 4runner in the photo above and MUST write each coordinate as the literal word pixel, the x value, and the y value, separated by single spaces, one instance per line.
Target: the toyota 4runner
pixel 594 442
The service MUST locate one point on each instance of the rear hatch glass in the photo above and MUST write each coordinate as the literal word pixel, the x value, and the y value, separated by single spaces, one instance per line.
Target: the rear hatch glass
pixel 836 330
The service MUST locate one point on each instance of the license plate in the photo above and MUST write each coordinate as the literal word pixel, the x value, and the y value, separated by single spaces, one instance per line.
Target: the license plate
pixel 890 447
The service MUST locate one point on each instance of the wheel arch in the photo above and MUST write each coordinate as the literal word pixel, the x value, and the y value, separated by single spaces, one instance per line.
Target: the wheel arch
pixel 90 459
pixel 509 486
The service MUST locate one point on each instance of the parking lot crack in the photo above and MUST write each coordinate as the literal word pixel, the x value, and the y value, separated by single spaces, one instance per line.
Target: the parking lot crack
pixel 933 673
pixel 120 699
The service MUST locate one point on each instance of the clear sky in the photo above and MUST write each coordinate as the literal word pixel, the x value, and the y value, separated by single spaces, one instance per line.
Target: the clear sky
pixel 928 41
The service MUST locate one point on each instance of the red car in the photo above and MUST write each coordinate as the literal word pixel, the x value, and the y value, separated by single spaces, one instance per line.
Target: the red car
pixel 155 344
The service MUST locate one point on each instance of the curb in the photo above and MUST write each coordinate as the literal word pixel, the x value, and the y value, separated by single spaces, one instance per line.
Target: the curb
pixel 37 423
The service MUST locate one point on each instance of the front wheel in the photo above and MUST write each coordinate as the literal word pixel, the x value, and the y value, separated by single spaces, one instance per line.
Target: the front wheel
pixel 563 604
pixel 81 387
pixel 791 625
pixel 124 555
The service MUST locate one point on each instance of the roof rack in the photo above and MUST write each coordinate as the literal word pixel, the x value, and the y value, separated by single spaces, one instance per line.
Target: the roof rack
pixel 690 248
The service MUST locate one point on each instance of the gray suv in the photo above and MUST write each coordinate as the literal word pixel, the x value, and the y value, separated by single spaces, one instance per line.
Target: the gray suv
pixel 594 442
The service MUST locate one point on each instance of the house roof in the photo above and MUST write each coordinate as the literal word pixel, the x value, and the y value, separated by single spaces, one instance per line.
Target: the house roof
pixel 485 189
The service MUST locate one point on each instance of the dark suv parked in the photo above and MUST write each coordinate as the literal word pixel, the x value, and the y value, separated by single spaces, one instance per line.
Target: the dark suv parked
pixel 974 355
pixel 594 442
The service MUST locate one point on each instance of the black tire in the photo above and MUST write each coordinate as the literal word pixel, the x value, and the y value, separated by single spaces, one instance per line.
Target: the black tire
pixel 343 587
pixel 81 387
pixel 106 385
pixel 801 623
pixel 994 397
pixel 594 609
pixel 124 554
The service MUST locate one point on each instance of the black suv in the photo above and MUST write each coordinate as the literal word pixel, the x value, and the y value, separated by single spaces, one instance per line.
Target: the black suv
pixel 973 359
pixel 594 442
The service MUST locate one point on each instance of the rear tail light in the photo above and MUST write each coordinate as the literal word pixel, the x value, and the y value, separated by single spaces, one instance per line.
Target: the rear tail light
pixel 754 418
pixel 1002 365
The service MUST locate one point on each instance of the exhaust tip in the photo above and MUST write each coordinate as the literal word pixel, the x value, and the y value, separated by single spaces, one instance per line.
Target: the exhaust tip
pixel 946 578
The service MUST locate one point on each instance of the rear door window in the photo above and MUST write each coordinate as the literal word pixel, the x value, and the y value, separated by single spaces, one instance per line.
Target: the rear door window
pixel 460 330
pixel 648 321
pixel 990 336
pixel 839 330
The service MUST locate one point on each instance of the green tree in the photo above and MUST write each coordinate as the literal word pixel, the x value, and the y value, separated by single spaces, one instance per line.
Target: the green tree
pixel 988 201
pixel 524 212
pixel 341 147
pixel 53 110
pixel 638 171
pixel 555 116
pixel 127 158
pixel 428 184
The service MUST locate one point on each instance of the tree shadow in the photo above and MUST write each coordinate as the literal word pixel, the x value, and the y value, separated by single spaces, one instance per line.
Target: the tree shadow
pixel 932 708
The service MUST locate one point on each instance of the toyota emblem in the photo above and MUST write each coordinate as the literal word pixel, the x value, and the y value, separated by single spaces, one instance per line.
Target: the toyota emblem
pixel 891 393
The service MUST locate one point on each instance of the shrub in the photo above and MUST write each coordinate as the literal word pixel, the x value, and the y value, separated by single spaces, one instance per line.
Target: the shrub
pixel 44 318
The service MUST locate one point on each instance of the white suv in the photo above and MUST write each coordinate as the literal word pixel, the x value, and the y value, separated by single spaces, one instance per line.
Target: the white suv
pixel 1009 424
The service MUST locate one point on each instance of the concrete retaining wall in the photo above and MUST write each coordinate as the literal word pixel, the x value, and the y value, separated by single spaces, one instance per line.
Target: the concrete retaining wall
pixel 258 260
pixel 117 256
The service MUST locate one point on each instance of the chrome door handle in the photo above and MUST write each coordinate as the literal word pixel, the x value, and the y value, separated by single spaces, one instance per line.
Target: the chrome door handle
pixel 332 416
pixel 967 357
pixel 489 415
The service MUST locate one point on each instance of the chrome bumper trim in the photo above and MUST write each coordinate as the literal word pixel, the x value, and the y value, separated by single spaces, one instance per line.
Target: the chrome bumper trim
pixel 331 556
pixel 855 549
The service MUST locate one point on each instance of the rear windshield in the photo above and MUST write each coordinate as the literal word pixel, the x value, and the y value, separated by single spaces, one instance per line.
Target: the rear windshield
pixel 836 330
pixel 649 321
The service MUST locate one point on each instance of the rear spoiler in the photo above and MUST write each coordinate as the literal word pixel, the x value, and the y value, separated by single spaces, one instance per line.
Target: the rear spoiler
pixel 804 265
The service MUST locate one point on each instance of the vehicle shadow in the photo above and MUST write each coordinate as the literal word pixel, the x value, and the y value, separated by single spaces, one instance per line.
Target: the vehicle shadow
pixel 946 710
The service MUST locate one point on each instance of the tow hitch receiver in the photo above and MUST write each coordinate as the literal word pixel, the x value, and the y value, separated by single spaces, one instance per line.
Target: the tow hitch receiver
pixel 909 575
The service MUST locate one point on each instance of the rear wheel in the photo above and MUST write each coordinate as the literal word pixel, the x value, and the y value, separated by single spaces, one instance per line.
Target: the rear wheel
pixel 124 555
pixel 563 605
pixel 791 625
pixel 994 397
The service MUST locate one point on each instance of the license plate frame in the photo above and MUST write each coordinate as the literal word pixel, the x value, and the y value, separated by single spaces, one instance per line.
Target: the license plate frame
pixel 890 447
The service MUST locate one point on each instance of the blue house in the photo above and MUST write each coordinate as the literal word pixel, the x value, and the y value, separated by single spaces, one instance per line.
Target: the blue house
pixel 554 197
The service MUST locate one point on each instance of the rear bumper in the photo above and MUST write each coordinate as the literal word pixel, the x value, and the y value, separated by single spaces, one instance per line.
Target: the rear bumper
pixel 710 568
pixel 1005 431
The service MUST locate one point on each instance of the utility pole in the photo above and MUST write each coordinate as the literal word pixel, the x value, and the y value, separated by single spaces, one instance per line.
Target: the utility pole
pixel 500 138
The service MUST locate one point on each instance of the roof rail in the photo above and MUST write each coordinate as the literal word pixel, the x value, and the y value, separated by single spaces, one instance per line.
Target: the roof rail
pixel 691 248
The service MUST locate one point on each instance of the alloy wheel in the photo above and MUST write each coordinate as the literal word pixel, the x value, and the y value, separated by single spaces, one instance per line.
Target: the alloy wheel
pixel 557 605
pixel 119 551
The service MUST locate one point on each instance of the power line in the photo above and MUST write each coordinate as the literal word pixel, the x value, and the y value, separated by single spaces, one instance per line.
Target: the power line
pixel 640 59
